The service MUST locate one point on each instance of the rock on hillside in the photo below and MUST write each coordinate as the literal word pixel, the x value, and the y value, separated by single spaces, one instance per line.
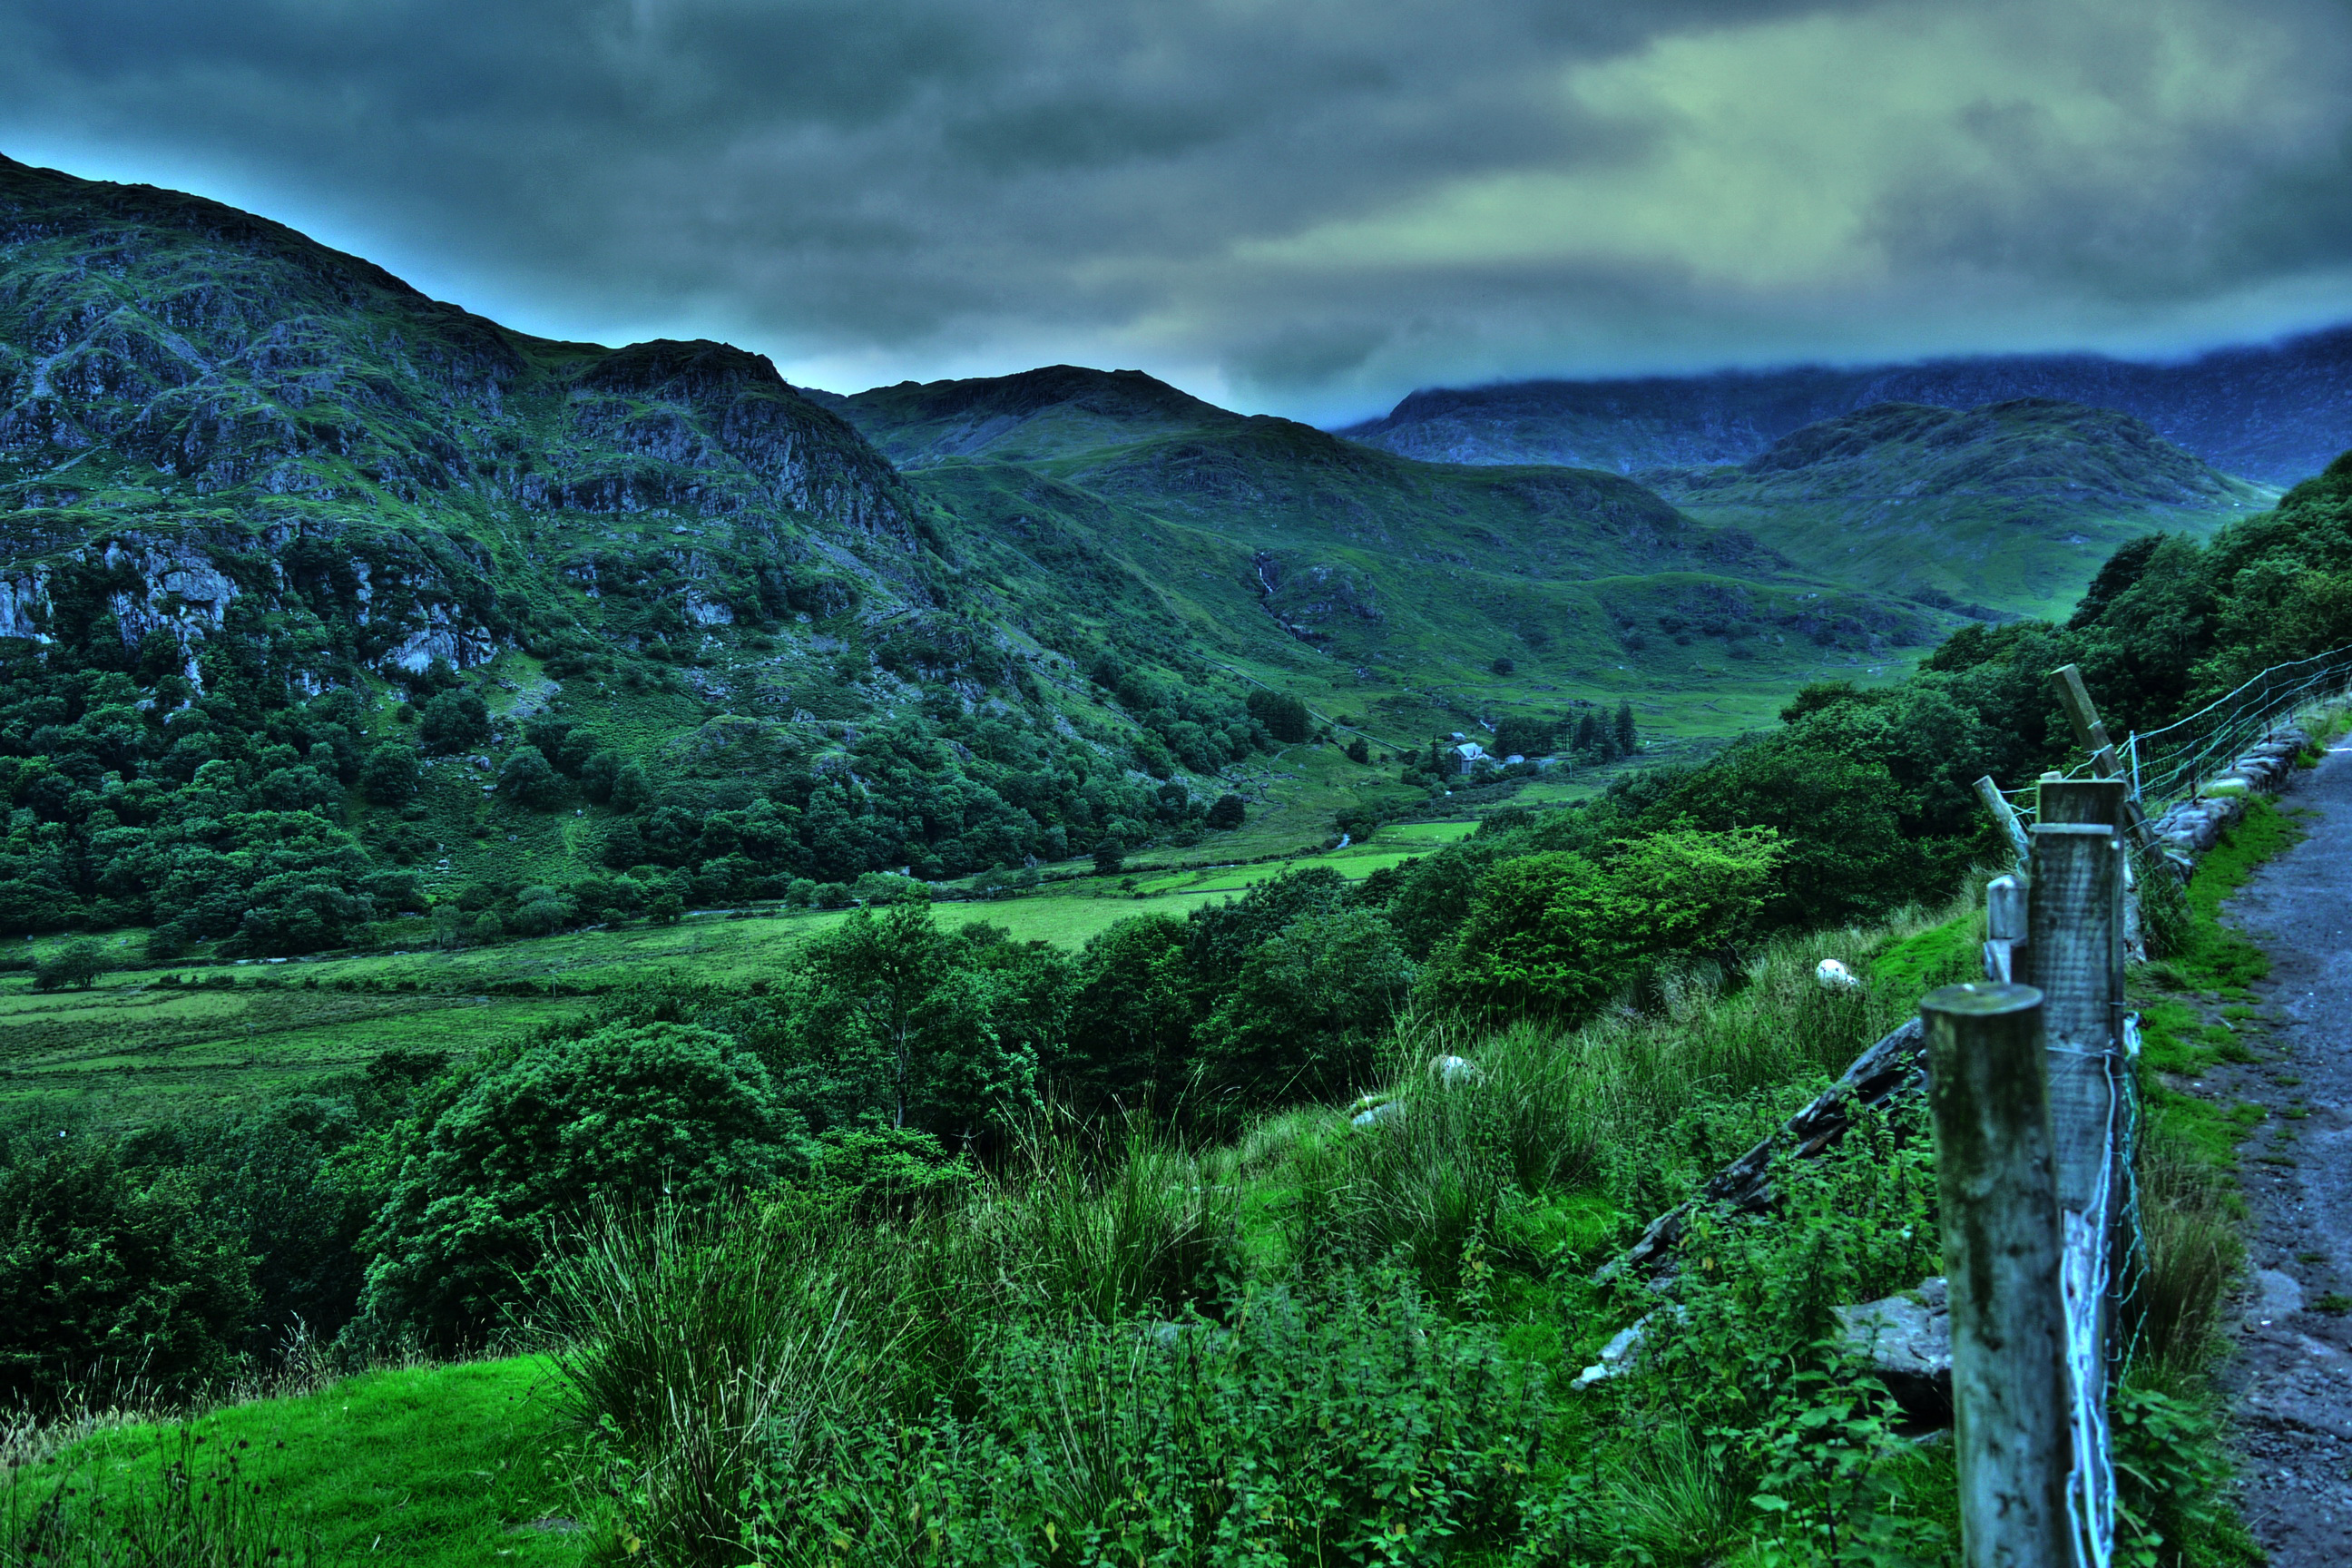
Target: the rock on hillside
pixel 2271 412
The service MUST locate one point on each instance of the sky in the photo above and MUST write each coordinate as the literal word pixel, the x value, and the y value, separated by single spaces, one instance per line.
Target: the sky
pixel 1294 206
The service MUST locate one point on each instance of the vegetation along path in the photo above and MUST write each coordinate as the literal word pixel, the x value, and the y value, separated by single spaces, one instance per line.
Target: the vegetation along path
pixel 2291 1376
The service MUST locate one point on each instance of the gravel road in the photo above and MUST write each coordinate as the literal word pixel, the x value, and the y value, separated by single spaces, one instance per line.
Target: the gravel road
pixel 2291 1376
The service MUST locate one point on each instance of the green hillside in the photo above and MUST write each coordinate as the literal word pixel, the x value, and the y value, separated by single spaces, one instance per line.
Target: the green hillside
pixel 2010 507
pixel 322 599
pixel 1383 588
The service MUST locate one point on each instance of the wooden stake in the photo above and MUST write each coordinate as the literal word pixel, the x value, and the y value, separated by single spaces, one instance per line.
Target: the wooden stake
pixel 2092 735
pixel 1994 1168
pixel 2014 831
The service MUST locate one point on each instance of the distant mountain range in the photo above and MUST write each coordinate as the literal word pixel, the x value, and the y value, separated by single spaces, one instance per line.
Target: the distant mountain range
pixel 2275 413
pixel 2005 507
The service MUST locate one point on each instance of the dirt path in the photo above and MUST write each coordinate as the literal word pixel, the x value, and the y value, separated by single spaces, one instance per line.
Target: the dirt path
pixel 2292 1376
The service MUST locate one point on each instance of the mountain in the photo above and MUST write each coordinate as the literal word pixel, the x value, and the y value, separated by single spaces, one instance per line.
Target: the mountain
pixel 2010 507
pixel 1386 584
pixel 312 588
pixel 2274 412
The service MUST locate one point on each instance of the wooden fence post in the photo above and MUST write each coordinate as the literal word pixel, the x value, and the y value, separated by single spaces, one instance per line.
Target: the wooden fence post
pixel 2075 957
pixel 1997 804
pixel 1989 1095
pixel 2092 734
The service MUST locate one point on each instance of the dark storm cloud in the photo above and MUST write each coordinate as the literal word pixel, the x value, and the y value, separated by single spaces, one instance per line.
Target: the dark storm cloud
pixel 1315 204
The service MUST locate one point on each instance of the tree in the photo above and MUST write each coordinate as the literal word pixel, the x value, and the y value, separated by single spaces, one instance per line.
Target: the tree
pixel 1556 934
pixel 528 779
pixel 1110 857
pixel 1285 717
pixel 1627 741
pixel 456 720
pixel 907 1023
pixel 1503 667
pixel 1130 1027
pixel 1308 1007
pixel 1360 750
pixel 524 1139
pixel 109 1274
pixel 666 908
pixel 1228 812
pixel 77 964
pixel 390 776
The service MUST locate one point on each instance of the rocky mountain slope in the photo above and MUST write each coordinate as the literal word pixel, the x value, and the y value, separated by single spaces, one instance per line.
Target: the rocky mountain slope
pixel 314 590
pixel 2008 507
pixel 2273 412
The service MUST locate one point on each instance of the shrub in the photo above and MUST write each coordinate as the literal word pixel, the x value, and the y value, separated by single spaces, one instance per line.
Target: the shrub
pixel 1227 811
pixel 76 964
pixel 528 779
pixel 111 1277
pixel 1180 1443
pixel 494 1156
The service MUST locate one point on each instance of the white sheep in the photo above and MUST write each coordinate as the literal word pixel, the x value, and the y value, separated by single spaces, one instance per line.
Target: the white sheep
pixel 1835 976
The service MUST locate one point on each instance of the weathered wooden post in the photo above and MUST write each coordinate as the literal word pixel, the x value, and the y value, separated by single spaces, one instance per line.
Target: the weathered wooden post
pixel 2074 956
pixel 1989 1095
pixel 2012 829
pixel 2082 717
pixel 2005 928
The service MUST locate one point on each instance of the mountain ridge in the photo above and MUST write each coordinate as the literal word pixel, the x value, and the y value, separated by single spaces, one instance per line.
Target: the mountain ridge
pixel 2273 412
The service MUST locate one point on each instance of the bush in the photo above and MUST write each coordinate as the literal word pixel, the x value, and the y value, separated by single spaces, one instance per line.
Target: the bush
pixel 453 720
pixel 1285 718
pixel 111 1277
pixel 77 964
pixel 1180 1443
pixel 496 1154
pixel 528 779
pixel 391 774
pixel 1227 811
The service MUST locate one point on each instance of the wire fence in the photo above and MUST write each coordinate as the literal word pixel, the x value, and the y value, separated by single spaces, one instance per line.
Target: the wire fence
pixel 2164 767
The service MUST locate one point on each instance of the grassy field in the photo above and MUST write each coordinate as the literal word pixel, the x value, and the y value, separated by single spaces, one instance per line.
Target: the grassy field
pixel 134 1048
pixel 444 1465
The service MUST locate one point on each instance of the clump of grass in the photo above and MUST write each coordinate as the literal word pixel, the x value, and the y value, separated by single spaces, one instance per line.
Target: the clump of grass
pixel 199 1510
pixel 2189 1252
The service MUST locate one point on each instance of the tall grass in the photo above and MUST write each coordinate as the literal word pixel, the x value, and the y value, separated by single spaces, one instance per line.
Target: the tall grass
pixel 1646 1101
pixel 198 1510
pixel 704 1349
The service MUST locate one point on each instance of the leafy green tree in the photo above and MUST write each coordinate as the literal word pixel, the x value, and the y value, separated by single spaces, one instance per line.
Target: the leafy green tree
pixel 541 911
pixel 500 1153
pixel 666 908
pixel 907 1026
pixel 1227 811
pixel 528 779
pixel 110 1274
pixel 1308 1007
pixel 1628 741
pixel 391 774
pixel 76 964
pixel 1129 1035
pixel 1285 717
pixel 1110 857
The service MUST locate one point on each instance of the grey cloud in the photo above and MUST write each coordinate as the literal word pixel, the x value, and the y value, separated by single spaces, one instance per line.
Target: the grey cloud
pixel 923 183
